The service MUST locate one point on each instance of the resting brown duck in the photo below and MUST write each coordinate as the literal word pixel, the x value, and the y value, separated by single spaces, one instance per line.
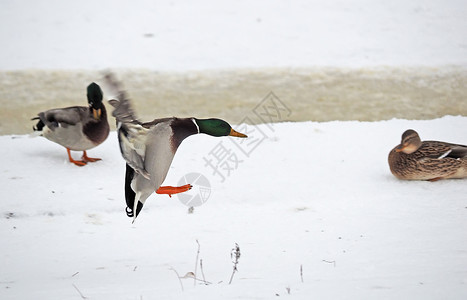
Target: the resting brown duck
pixel 427 160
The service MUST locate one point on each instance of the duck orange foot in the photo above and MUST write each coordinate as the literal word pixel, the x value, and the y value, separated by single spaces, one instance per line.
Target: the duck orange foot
pixel 86 158
pixel 170 190
pixel 79 163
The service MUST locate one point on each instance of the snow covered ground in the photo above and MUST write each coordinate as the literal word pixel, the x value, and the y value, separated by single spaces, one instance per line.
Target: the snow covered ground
pixel 316 196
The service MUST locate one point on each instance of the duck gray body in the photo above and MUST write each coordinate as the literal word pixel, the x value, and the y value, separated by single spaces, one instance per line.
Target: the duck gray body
pixel 427 160
pixel 76 128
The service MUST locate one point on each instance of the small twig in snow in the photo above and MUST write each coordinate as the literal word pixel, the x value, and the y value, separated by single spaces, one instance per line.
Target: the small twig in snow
pixel 301 272
pixel 75 274
pixel 82 297
pixel 178 276
pixel 330 262
pixel 196 262
pixel 235 256
pixel 192 275
pixel 202 271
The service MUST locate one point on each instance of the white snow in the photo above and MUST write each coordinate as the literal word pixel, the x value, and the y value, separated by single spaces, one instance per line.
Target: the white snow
pixel 316 195
pixel 207 34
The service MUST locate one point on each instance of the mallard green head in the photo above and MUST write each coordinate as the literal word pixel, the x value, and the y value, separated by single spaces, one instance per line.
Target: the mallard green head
pixel 217 127
pixel 410 142
pixel 95 100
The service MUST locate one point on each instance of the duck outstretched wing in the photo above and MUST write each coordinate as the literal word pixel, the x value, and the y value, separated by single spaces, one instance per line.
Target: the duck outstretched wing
pixel 132 136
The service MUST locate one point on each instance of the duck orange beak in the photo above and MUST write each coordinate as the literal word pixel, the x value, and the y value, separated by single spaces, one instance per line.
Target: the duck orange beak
pixel 96 113
pixel 237 134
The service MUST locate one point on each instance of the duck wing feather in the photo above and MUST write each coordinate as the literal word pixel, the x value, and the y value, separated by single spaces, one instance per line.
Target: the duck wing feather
pixel 132 136
pixel 64 117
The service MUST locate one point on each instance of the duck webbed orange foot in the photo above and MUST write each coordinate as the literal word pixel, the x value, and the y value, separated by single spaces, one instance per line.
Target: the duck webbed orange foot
pixel 79 163
pixel 86 158
pixel 170 190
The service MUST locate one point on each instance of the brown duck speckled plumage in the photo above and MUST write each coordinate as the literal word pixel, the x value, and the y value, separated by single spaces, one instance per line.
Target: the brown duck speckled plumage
pixel 427 160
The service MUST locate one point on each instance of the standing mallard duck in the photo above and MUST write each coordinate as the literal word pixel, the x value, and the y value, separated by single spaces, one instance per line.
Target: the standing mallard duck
pixel 428 160
pixel 77 128
pixel 149 148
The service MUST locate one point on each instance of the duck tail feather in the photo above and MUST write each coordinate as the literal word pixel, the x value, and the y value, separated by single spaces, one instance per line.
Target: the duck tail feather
pixel 39 126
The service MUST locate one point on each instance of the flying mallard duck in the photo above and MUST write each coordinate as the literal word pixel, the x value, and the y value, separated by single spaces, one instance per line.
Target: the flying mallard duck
pixel 428 160
pixel 149 148
pixel 77 128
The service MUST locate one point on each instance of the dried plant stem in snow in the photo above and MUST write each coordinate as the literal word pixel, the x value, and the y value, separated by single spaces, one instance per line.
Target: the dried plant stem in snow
pixel 178 276
pixel 82 296
pixel 301 272
pixel 196 262
pixel 202 271
pixel 235 256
